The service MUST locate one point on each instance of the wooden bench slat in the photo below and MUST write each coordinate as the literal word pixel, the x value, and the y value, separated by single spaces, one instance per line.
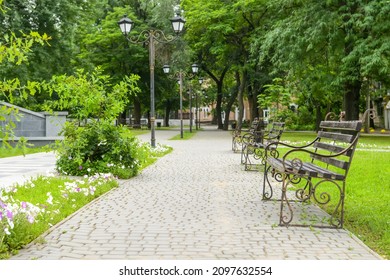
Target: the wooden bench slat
pixel 331 148
pixel 307 169
pixel 347 138
pixel 344 125
pixel 332 161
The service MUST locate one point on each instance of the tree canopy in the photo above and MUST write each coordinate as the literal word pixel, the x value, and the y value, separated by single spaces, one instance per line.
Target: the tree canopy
pixel 326 53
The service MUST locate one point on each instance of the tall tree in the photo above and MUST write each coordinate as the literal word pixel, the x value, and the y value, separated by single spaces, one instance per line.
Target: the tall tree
pixel 60 20
pixel 105 45
pixel 349 38
pixel 220 32
pixel 14 52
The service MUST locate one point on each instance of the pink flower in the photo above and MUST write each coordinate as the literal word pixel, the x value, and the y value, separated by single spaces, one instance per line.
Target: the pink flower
pixel 1 215
pixel 24 204
pixel 10 215
pixel 30 219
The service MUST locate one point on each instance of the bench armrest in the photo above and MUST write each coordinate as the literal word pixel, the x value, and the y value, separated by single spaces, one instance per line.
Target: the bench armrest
pixel 280 143
pixel 297 163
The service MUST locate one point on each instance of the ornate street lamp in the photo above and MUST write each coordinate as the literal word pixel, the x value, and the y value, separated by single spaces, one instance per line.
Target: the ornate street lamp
pixel 151 37
pixel 180 75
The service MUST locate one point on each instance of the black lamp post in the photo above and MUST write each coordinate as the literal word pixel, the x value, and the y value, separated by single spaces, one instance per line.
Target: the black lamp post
pixel 180 75
pixel 197 115
pixel 151 37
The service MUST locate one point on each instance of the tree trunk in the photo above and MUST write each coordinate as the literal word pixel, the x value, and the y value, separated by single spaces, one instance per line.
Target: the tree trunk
pixel 351 100
pixel 318 116
pixel 353 86
pixel 219 82
pixel 229 105
pixel 241 88
pixel 218 106
pixel 137 113
pixel 252 101
pixel 168 107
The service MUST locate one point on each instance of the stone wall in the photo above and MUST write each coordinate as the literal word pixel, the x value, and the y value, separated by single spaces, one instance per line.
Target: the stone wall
pixel 31 124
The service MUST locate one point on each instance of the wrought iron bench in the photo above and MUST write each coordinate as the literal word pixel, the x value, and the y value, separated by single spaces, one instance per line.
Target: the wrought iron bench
pixel 316 172
pixel 240 135
pixel 253 153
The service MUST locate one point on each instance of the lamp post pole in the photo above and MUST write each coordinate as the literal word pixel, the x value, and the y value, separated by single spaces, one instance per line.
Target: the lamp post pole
pixel 151 37
pixel 197 115
pixel 180 75
pixel 196 111
pixel 152 59
pixel 190 97
pixel 181 103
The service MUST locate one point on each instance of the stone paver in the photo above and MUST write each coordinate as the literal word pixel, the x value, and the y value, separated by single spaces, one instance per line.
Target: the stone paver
pixel 195 203
pixel 21 168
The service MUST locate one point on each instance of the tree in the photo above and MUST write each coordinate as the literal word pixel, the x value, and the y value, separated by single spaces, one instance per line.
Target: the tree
pixel 220 32
pixel 91 95
pixel 346 39
pixel 14 51
pixel 61 21
pixel 104 45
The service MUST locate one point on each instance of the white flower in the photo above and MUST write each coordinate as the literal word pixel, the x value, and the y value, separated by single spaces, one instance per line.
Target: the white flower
pixel 50 198
pixel 11 223
pixel 7 231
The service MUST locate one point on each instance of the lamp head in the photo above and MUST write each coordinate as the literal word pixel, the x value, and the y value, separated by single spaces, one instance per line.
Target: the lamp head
pixel 177 24
pixel 195 68
pixel 125 24
pixel 166 68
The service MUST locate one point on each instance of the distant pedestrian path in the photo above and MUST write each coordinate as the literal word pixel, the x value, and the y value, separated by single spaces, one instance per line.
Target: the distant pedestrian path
pixel 21 168
pixel 194 203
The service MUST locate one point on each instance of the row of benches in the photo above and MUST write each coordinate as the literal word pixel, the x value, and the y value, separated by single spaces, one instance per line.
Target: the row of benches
pixel 312 173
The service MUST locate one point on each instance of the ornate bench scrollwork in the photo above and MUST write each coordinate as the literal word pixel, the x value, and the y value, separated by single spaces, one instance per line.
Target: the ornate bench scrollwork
pixel 241 136
pixel 253 153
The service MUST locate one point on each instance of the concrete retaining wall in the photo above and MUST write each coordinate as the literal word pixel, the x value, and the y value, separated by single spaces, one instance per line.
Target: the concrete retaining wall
pixel 31 124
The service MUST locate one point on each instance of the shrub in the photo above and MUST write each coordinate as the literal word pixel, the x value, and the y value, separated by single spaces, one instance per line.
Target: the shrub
pixel 302 120
pixel 97 147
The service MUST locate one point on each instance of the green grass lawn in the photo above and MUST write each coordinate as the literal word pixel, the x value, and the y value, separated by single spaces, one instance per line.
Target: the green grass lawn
pixel 367 202
pixel 41 203
pixel 11 152
pixel 365 140
pixel 186 135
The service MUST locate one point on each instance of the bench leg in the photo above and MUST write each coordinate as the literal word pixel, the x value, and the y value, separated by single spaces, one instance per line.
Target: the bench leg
pixel 318 193
pixel 323 197
pixel 247 161
pixel 267 187
pixel 235 143
pixel 255 158
pixel 244 149
pixel 286 213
